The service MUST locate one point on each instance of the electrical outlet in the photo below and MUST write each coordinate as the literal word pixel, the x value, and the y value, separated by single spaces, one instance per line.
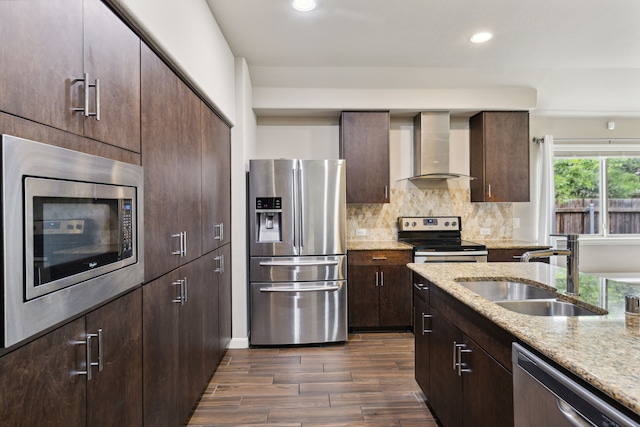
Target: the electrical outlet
pixel 485 231
pixel 361 232
pixel 516 222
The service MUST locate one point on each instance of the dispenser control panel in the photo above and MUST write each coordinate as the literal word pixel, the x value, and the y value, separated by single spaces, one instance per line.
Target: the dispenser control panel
pixel 268 203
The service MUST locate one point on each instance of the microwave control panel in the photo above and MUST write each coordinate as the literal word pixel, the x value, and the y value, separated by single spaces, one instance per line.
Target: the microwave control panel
pixel 127 228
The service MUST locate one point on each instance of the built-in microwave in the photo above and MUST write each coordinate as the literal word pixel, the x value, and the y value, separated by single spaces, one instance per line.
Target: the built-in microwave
pixel 72 234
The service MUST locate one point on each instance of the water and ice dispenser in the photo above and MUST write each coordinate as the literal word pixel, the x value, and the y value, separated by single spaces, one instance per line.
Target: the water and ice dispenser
pixel 269 219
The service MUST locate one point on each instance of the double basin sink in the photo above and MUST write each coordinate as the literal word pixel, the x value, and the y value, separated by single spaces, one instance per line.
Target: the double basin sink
pixel 524 298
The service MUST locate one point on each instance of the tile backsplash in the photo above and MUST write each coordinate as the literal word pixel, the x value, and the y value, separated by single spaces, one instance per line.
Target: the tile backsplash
pixel 381 220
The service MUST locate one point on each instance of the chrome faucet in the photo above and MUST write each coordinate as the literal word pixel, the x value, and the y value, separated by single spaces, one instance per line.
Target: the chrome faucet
pixel 572 254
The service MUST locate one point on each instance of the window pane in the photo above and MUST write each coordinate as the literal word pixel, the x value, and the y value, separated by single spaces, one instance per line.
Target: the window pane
pixel 577 187
pixel 623 188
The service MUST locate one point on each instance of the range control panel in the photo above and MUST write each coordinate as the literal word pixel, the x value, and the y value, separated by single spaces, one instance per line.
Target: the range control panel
pixel 432 223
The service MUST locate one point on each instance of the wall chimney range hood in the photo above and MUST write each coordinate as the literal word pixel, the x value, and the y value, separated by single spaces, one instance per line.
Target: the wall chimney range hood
pixel 431 147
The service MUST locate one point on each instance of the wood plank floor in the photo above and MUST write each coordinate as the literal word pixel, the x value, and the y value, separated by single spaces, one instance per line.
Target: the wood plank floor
pixel 367 381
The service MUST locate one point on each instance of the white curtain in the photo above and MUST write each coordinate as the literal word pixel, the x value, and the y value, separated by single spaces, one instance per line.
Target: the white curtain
pixel 546 193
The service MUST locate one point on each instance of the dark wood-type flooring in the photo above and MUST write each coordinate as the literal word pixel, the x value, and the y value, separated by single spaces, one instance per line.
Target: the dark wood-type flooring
pixel 367 381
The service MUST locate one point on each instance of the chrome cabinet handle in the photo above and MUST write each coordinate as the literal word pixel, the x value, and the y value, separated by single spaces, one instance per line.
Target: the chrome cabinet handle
pixel 386 192
pixel 377 280
pixel 90 363
pixel 461 348
pixel 182 292
pixel 489 195
pixel 421 286
pixel 455 354
pixel 182 251
pixel 424 329
pixel 86 86
pixel 379 258
pixel 382 278
pixel 220 232
pixel 220 260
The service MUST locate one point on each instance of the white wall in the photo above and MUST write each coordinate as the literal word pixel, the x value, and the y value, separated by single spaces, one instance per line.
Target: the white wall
pixel 189 34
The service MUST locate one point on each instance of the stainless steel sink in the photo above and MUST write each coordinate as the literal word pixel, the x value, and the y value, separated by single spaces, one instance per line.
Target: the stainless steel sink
pixel 546 308
pixel 500 290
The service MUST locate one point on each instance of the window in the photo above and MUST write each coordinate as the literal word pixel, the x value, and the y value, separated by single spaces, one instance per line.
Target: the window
pixel 597 193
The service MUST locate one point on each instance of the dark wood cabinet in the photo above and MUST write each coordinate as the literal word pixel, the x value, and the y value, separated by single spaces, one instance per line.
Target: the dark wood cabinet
pixel 160 351
pixel 114 395
pixel 379 289
pixel 422 332
pixel 216 181
pixel 46 50
pixel 38 384
pixel 181 349
pixel 44 383
pixel 512 255
pixel 499 156
pixel 364 144
pixel 468 362
pixel 171 157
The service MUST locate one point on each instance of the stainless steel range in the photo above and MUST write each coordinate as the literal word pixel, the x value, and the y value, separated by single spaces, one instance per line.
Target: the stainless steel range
pixel 438 239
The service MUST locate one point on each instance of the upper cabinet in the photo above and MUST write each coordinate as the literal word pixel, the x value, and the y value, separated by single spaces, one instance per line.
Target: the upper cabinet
pixel 216 181
pixel 499 152
pixel 364 144
pixel 47 50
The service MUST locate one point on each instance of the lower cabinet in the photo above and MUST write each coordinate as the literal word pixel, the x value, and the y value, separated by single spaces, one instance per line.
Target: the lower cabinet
pixel 422 331
pixel 45 382
pixel 184 320
pixel 379 291
pixel 466 385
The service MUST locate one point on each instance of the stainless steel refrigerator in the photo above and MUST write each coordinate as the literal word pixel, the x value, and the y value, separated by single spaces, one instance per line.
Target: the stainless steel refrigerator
pixel 297 251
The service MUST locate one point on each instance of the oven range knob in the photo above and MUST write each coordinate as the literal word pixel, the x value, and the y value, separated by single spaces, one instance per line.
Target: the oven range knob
pixel 446 224
pixel 454 223
pixel 406 224
pixel 413 224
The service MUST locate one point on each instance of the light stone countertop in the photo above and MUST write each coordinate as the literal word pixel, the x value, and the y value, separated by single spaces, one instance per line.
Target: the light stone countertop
pixel 373 245
pixel 510 244
pixel 603 350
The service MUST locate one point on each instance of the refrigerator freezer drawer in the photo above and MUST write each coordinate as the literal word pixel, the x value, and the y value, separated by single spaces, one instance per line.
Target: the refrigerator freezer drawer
pixel 298 313
pixel 298 269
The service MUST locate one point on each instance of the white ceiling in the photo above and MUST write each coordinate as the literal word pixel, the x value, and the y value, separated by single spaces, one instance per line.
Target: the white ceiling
pixel 582 56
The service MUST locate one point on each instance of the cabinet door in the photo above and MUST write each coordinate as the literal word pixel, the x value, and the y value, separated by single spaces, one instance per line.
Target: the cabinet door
pixel 445 388
pixel 499 156
pixel 422 331
pixel 192 330
pixel 364 143
pixel 39 384
pixel 41 56
pixel 223 268
pixel 159 87
pixel 160 352
pixel 114 395
pixel 216 181
pixel 395 295
pixel 112 55
pixel 363 295
pixel 483 406
pixel 189 179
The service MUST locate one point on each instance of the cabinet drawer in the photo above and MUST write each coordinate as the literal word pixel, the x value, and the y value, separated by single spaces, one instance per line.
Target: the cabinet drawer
pixel 379 257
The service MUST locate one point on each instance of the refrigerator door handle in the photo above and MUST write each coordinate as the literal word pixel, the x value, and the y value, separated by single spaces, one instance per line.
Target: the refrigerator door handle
pixel 301 207
pixel 314 289
pixel 296 263
pixel 296 208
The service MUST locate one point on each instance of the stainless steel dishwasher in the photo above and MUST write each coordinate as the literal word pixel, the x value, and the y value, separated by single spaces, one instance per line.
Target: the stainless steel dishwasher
pixel 545 397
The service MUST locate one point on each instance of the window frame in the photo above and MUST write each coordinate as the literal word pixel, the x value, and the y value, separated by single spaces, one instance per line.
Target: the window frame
pixel 600 150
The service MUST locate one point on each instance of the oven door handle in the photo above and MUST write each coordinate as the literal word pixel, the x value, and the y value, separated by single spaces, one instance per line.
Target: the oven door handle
pixel 311 289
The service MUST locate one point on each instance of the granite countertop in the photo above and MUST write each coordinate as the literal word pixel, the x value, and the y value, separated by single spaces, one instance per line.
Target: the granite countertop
pixel 603 350
pixel 373 245
pixel 510 244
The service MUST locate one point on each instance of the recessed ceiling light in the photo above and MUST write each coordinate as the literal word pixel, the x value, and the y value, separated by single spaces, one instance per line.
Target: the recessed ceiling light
pixel 481 37
pixel 304 5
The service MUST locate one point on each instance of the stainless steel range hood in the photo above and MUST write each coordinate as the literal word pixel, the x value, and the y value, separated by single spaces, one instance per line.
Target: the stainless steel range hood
pixel 431 147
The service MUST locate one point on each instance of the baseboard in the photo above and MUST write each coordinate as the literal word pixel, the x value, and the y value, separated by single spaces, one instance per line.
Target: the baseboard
pixel 239 342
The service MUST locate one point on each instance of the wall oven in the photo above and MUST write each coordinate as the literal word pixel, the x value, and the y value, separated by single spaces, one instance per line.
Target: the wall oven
pixel 72 227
